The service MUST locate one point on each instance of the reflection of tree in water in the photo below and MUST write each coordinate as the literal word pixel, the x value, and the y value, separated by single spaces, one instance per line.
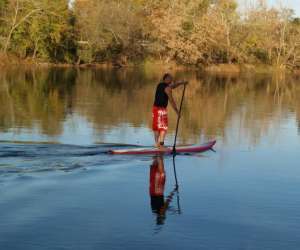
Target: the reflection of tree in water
pixel 108 98
pixel 129 104
pixel 61 80
pixel 115 80
pixel 36 96
pixel 253 103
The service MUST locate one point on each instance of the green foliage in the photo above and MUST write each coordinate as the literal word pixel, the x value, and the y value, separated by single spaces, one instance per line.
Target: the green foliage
pixel 41 29
pixel 189 31
pixel 112 30
pixel 3 6
pixel 296 21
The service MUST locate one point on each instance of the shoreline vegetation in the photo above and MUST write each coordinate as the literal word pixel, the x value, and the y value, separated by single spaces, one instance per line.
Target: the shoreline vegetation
pixel 214 36
pixel 11 61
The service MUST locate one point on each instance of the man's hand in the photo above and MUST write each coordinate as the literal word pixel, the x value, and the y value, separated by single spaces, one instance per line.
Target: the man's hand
pixel 177 84
pixel 183 82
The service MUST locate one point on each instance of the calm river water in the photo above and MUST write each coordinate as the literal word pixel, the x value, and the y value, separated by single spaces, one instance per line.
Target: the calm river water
pixel 59 190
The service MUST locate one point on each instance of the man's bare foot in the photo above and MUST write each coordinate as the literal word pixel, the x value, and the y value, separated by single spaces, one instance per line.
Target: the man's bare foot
pixel 162 148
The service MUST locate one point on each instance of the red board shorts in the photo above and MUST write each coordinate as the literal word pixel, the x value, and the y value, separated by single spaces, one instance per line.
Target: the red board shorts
pixel 157 181
pixel 160 119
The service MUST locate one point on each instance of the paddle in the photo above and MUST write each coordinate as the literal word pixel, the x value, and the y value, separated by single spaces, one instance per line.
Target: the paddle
pixel 176 185
pixel 178 119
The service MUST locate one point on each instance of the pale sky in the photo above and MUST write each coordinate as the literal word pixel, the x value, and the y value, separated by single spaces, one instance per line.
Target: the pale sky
pixel 292 4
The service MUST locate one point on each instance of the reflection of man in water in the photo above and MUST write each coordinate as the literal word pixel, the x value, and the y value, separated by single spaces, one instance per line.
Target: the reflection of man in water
pixel 160 205
pixel 157 188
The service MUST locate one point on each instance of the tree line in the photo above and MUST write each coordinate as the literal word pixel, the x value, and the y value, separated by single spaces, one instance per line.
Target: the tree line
pixel 190 32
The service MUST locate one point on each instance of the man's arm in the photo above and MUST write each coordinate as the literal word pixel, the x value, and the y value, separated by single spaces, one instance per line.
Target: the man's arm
pixel 168 91
pixel 177 84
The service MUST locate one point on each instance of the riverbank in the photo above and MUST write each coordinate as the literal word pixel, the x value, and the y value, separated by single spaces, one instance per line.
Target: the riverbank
pixel 13 61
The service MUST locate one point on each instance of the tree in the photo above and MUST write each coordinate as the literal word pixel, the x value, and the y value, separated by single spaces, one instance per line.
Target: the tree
pixel 270 36
pixel 18 12
pixel 111 29
pixel 191 32
pixel 39 27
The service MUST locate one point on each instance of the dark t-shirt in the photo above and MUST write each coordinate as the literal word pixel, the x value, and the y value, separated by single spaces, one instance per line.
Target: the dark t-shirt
pixel 161 98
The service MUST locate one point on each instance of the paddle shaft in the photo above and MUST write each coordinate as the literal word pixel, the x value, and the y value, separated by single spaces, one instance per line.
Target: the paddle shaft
pixel 178 118
pixel 176 185
pixel 175 173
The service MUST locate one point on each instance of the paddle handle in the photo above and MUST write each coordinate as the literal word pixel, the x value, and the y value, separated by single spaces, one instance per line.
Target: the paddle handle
pixel 178 118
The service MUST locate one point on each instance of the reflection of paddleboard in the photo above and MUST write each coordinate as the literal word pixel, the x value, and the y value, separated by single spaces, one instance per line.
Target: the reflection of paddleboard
pixel 182 149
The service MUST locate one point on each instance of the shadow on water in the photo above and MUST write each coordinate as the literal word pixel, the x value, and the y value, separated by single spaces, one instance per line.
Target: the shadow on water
pixel 160 205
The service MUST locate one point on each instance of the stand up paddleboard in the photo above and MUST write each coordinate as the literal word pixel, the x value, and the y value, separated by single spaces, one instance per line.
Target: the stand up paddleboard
pixel 182 149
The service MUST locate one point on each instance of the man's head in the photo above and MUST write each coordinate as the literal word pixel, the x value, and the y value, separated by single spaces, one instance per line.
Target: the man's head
pixel 168 78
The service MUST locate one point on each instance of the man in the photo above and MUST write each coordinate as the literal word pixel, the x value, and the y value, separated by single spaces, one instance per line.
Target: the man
pixel 159 112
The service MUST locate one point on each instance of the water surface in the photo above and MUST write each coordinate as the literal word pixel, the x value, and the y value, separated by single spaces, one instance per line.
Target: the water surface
pixel 60 190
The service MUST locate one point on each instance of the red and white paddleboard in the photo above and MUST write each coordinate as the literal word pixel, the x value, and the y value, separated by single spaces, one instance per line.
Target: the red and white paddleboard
pixel 182 149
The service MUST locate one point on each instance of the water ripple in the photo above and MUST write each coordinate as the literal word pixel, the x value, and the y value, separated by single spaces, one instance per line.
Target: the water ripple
pixel 23 158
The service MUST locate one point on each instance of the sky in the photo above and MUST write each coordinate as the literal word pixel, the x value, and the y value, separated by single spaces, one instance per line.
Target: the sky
pixel 293 4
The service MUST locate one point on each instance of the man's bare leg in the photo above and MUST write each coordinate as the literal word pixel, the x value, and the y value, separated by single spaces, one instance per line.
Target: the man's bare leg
pixel 156 138
pixel 161 140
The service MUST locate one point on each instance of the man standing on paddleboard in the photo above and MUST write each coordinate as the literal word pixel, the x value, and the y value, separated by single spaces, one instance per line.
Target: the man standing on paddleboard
pixel 163 95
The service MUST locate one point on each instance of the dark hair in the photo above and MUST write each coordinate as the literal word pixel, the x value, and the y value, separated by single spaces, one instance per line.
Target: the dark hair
pixel 166 76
